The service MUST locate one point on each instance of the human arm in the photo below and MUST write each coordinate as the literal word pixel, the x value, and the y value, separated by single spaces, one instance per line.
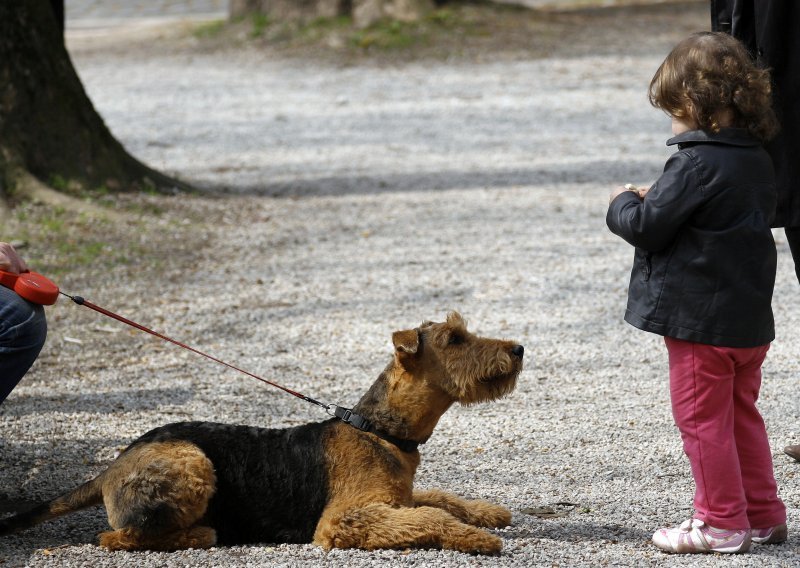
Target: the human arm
pixel 653 223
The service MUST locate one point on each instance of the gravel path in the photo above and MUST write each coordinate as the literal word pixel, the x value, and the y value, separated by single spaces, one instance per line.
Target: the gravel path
pixel 360 200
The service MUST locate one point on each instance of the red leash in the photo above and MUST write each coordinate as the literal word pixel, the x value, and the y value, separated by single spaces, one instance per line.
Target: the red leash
pixel 81 302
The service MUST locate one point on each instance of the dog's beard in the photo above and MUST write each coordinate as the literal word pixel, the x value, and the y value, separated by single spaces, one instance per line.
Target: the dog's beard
pixel 490 388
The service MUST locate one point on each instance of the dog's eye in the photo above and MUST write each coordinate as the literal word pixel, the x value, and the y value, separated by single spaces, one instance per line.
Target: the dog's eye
pixel 455 339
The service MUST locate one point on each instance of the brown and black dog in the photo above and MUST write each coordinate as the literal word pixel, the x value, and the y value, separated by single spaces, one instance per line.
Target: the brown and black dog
pixel 197 484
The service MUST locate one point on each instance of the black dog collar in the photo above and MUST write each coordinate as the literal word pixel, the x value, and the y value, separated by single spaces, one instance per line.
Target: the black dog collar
pixel 360 423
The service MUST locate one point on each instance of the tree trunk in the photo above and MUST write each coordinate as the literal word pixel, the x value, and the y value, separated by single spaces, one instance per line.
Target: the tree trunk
pixel 367 12
pixel 48 126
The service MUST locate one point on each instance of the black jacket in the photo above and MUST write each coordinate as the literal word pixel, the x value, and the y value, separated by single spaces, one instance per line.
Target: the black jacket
pixel 704 266
pixel 771 31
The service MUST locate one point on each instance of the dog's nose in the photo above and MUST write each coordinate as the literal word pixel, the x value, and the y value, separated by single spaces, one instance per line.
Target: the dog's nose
pixel 518 351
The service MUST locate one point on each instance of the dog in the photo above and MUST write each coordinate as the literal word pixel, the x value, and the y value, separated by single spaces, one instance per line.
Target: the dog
pixel 346 482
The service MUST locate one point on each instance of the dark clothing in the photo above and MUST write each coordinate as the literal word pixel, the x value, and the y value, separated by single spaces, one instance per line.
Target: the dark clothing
pixel 771 31
pixel 23 329
pixel 704 266
pixel 793 238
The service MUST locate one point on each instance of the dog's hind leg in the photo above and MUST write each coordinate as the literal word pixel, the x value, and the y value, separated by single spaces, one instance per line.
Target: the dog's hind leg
pixel 379 525
pixel 475 512
pixel 136 539
pixel 156 495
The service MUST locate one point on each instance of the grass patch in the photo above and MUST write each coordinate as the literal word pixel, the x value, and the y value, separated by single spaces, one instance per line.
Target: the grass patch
pixel 56 240
pixel 444 32
pixel 208 30
pixel 104 196
pixel 153 231
pixel 259 23
pixel 321 28
pixel 390 35
pixel 441 26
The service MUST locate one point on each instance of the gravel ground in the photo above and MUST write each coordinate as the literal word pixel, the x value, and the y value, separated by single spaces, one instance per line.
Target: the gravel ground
pixel 351 201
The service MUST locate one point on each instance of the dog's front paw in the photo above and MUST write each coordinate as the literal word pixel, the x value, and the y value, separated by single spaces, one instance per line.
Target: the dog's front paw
pixel 489 544
pixel 344 530
pixel 474 541
pixel 485 514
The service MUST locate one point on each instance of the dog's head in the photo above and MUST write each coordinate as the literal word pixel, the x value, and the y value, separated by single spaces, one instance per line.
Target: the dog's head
pixel 434 366
pixel 468 368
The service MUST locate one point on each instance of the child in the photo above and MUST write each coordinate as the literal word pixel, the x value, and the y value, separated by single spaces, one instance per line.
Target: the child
pixel 703 274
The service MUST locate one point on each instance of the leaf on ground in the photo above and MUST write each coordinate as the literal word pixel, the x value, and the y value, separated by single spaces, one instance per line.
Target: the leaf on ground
pixel 560 509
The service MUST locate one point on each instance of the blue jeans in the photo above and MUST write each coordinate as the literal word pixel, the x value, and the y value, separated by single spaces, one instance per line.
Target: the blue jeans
pixel 23 329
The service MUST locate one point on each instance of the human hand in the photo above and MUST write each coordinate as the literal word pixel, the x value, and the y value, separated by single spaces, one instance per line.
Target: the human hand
pixel 10 261
pixel 639 191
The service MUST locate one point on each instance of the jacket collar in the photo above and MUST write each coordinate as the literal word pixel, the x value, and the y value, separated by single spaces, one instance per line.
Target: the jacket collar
pixel 730 136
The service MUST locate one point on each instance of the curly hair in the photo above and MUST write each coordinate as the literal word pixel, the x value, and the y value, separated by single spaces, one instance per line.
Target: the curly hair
pixel 709 78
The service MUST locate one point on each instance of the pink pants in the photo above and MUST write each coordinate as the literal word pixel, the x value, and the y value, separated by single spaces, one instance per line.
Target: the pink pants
pixel 714 392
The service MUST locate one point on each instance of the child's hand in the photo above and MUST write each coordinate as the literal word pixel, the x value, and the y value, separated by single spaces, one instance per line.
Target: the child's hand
pixel 639 191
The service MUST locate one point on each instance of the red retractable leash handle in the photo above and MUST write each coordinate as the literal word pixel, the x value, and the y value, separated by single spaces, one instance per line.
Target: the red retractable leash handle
pixel 32 286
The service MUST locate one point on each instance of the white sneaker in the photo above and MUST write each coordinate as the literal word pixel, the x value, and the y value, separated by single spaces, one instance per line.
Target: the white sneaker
pixel 694 536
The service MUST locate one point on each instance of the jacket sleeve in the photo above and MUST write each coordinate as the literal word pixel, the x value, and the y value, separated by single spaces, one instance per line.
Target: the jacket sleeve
pixel 653 223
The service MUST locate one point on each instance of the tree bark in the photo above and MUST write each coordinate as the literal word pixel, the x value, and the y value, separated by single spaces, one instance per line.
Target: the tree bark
pixel 367 12
pixel 48 126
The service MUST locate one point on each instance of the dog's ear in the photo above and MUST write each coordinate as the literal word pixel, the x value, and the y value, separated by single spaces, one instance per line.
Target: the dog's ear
pixel 454 319
pixel 406 342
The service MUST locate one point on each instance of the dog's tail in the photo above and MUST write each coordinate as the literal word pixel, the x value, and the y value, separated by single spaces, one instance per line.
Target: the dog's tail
pixel 86 495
